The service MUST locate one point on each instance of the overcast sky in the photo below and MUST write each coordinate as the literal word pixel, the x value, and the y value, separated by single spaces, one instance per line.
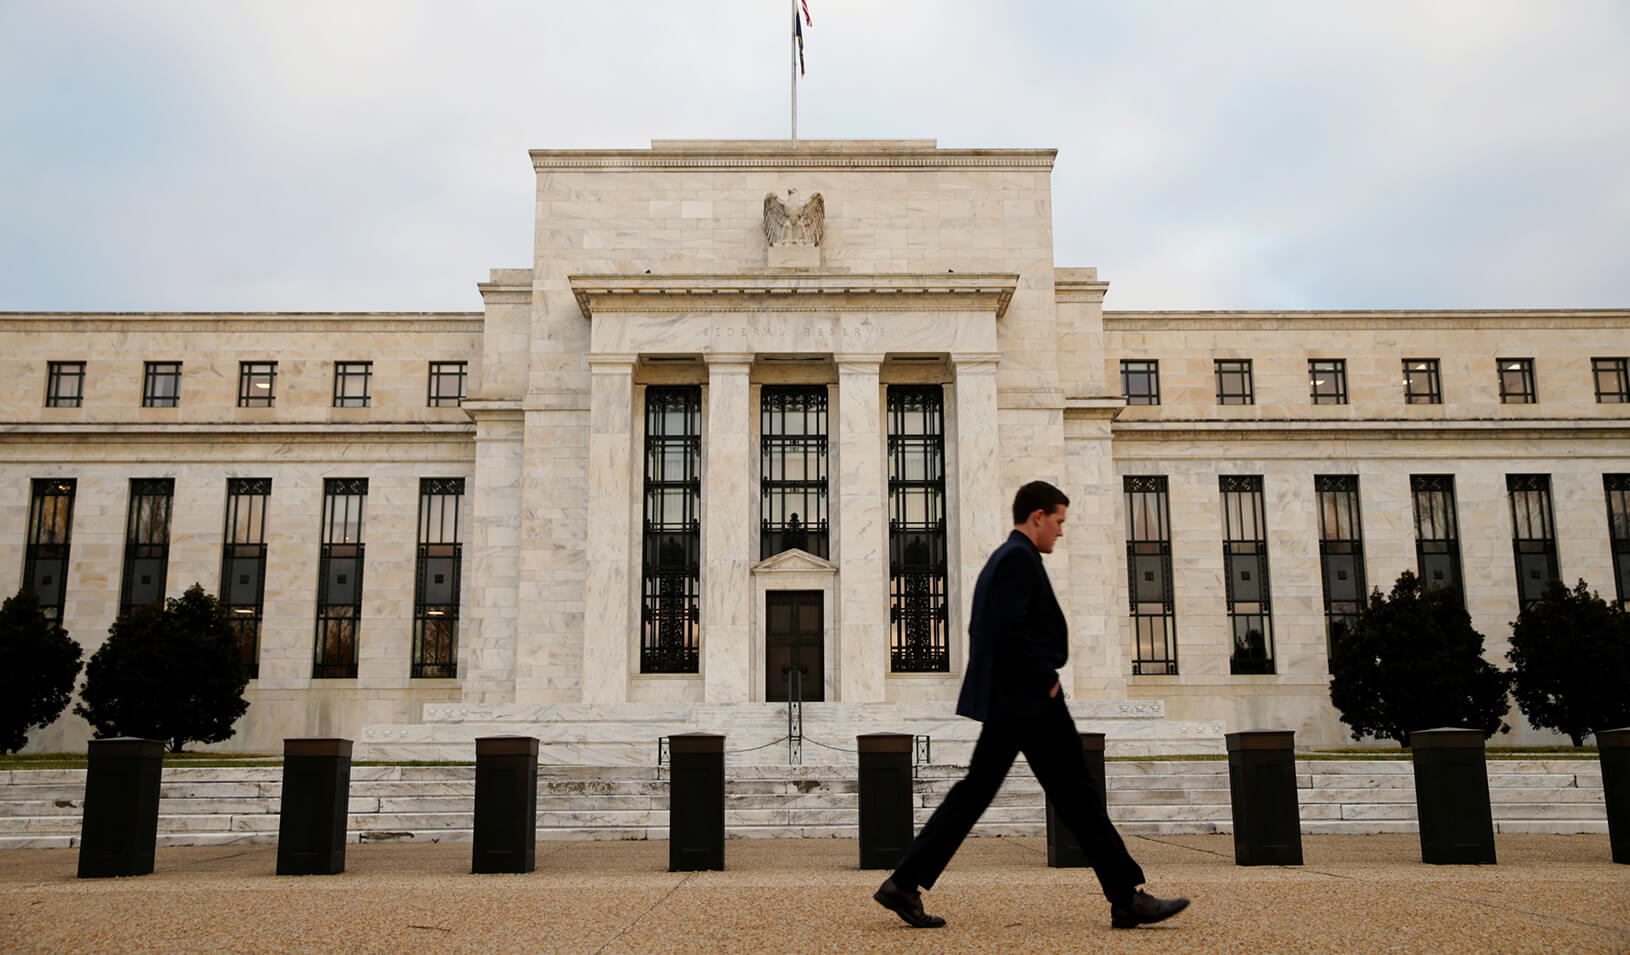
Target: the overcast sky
pixel 339 155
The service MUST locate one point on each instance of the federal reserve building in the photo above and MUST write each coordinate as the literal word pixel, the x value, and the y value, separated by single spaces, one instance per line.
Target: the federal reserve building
pixel 742 434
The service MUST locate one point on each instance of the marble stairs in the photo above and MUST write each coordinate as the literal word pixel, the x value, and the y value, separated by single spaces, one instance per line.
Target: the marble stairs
pixel 232 806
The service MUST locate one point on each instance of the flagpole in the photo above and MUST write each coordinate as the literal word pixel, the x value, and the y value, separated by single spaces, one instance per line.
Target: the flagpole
pixel 794 63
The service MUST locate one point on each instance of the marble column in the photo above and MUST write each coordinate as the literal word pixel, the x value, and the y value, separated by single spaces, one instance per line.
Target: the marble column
pixel 727 540
pixel 982 506
pixel 862 531
pixel 610 550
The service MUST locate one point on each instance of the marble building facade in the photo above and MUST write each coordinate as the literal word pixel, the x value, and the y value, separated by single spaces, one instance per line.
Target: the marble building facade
pixel 892 328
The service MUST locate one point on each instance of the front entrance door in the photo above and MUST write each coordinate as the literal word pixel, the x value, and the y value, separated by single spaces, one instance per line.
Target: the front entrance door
pixel 793 645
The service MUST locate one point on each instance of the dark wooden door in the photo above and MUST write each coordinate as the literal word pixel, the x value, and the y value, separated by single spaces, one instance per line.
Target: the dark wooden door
pixel 794 641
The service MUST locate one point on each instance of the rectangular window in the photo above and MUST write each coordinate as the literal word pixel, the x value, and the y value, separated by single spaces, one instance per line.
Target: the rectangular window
pixel 1612 380
pixel 1234 382
pixel 339 577
pixel 1341 553
pixel 64 384
pixel 1421 384
pixel 792 470
pixel 1437 532
pixel 1327 378
pixel 1140 382
pixel 1149 575
pixel 1533 534
pixel 670 595
pixel 161 385
pixel 243 563
pixel 147 543
pixel 1516 381
pixel 918 642
pixel 435 589
pixel 351 379
pixel 1245 558
pixel 45 559
pixel 447 384
pixel 257 384
pixel 1617 487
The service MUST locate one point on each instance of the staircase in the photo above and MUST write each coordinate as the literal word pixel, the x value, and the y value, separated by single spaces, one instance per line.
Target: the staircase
pixel 239 805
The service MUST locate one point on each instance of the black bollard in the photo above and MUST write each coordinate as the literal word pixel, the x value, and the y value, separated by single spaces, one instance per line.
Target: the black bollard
pixel 695 802
pixel 506 804
pixel 1613 749
pixel 886 826
pixel 1262 790
pixel 1063 848
pixel 119 826
pixel 316 794
pixel 1452 797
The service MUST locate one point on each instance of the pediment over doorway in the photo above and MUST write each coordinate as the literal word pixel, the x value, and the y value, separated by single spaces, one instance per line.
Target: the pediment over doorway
pixel 794 561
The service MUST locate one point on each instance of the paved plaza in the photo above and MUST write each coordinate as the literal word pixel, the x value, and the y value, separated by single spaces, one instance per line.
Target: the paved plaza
pixel 1355 894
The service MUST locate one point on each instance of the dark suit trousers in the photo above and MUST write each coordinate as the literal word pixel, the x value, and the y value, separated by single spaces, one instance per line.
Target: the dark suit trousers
pixel 1052 746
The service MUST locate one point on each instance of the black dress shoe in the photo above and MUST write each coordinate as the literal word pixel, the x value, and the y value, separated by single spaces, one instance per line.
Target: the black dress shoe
pixel 906 903
pixel 1145 909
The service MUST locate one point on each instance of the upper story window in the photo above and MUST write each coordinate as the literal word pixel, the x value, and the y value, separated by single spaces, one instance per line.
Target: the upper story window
pixel 447 379
pixel 1234 382
pixel 1516 381
pixel 257 384
pixel 351 380
pixel 1612 380
pixel 1421 383
pixel 161 385
pixel 1327 377
pixel 65 384
pixel 1140 382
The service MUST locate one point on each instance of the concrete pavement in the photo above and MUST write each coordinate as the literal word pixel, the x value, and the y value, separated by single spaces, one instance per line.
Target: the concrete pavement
pixel 1354 894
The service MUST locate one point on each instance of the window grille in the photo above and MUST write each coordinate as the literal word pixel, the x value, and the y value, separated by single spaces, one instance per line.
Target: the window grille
pixel 793 470
pixel 243 563
pixel 1234 385
pixel 1437 532
pixel 351 381
pixel 436 582
pixel 1327 378
pixel 161 384
pixel 1245 558
pixel 339 577
pixel 147 543
pixel 1517 381
pixel 257 384
pixel 1149 575
pixel 1140 382
pixel 1421 383
pixel 1612 377
pixel 447 382
pixel 64 384
pixel 1341 554
pixel 917 566
pixel 1533 534
pixel 45 557
pixel 670 607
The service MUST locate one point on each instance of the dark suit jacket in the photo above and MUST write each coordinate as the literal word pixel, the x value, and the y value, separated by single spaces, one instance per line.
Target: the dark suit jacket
pixel 1017 637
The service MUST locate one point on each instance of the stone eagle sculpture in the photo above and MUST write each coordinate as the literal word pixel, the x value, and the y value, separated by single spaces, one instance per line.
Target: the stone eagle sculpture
pixel 785 227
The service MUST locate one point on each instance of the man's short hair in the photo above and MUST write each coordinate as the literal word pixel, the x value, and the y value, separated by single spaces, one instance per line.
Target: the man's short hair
pixel 1037 496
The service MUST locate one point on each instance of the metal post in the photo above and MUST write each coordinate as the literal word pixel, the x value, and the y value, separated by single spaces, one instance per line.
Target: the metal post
pixel 886 824
pixel 696 802
pixel 1063 848
pixel 311 822
pixel 1452 797
pixel 1262 790
pixel 1613 749
pixel 118 831
pixel 506 804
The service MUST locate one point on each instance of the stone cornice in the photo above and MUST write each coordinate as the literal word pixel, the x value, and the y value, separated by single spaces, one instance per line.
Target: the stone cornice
pixel 259 430
pixel 278 322
pixel 709 156
pixel 794 292
pixel 497 293
pixel 1359 320
pixel 1371 429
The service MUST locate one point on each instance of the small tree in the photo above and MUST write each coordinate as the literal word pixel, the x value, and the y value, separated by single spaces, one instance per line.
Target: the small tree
pixel 1570 654
pixel 174 674
pixel 1412 661
pixel 39 663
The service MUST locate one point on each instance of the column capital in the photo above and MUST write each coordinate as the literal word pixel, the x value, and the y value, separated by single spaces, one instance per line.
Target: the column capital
pixel 858 360
pixel 975 362
pixel 726 360
pixel 611 363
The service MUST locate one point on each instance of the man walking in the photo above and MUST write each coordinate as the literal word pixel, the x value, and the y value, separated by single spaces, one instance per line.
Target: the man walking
pixel 1017 640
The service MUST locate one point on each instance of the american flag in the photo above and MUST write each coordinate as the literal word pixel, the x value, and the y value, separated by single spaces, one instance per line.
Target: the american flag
pixel 798 32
